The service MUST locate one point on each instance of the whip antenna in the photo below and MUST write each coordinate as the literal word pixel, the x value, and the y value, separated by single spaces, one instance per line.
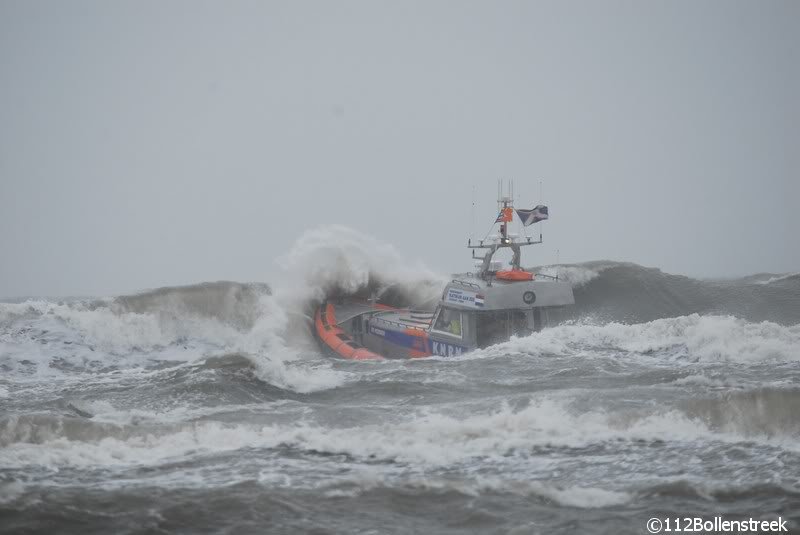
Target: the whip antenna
pixel 558 263
pixel 472 215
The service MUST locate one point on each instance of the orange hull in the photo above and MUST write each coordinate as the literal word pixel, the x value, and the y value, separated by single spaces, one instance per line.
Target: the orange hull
pixel 336 339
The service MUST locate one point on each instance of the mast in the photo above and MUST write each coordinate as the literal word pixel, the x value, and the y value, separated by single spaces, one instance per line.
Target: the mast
pixel 505 205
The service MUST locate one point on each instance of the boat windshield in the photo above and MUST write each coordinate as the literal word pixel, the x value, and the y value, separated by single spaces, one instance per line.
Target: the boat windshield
pixel 448 321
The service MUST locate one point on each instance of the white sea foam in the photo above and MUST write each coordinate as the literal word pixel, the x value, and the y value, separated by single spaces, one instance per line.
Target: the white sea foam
pixel 365 480
pixel 121 332
pixel 582 497
pixel 101 411
pixel 170 331
pixel 703 380
pixel 297 375
pixel 705 338
pixel 433 439
pixel 777 278
pixel 12 311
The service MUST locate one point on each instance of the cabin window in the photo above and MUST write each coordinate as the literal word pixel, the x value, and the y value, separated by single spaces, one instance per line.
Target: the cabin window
pixel 497 326
pixel 449 321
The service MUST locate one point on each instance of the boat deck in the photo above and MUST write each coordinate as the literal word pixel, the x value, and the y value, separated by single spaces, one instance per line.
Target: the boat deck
pixel 396 318
pixel 405 319
pixel 350 309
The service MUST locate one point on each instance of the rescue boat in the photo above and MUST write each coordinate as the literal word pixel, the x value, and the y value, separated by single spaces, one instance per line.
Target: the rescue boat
pixel 475 310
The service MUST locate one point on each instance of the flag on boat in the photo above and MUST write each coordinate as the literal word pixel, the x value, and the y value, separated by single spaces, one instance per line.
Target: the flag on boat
pixel 534 215
pixel 506 215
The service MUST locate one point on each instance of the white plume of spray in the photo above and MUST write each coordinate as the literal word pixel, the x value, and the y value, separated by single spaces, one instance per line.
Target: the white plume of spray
pixel 321 261
pixel 577 274
pixel 337 257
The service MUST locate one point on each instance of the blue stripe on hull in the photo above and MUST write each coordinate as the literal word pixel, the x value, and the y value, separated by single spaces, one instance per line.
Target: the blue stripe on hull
pixel 418 343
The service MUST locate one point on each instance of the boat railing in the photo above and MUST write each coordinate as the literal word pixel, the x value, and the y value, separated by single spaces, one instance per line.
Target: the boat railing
pixel 547 276
pixel 465 283
pixel 399 324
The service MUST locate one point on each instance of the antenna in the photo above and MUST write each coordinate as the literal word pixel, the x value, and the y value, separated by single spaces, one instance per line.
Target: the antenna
pixel 472 215
pixel 558 263
pixel 541 201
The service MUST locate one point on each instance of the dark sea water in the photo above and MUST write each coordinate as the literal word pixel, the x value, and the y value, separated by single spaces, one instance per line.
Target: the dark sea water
pixel 209 409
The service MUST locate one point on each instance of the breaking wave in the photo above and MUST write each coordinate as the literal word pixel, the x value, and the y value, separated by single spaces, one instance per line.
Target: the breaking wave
pixel 625 292
pixel 693 337
pixel 183 324
pixel 435 439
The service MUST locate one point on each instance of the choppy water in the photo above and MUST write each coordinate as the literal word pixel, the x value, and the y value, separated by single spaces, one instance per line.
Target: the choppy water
pixel 208 409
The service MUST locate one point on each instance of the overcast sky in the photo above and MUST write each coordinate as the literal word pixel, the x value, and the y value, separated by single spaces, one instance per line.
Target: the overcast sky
pixel 150 143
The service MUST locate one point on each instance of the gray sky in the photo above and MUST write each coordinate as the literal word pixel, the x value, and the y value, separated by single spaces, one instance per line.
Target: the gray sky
pixel 149 143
